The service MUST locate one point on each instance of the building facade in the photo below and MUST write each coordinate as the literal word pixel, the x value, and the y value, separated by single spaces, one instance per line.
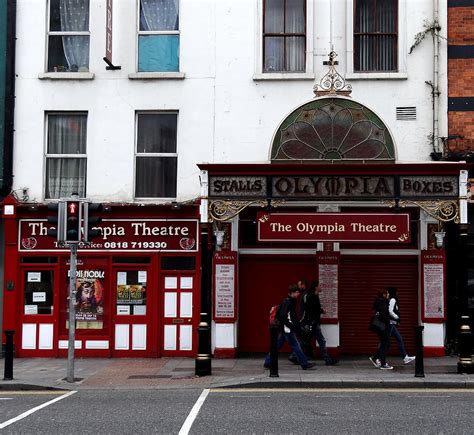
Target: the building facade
pixel 120 101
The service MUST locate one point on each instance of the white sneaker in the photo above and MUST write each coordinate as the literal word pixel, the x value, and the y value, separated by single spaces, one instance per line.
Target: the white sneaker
pixel 375 362
pixel 408 359
pixel 385 367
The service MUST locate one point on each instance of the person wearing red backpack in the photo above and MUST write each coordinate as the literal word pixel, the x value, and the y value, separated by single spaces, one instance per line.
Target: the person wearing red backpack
pixel 289 328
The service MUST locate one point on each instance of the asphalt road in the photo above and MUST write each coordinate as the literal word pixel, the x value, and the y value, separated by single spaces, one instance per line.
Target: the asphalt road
pixel 238 411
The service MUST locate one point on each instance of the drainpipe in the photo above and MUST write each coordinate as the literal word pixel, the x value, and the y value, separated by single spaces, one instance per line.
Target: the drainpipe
pixel 436 91
pixel 9 106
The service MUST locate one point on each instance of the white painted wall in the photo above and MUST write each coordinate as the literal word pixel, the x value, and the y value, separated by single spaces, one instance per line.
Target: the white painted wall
pixel 224 114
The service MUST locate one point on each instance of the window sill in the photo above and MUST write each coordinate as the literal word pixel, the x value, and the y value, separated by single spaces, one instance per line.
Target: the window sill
pixel 283 76
pixel 377 76
pixel 66 76
pixel 157 75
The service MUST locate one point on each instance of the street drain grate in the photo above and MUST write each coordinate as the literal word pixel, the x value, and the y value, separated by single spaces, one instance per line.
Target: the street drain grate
pixel 149 377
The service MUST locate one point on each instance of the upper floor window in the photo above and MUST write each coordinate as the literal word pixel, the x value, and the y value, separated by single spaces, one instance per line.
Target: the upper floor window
pixel 158 36
pixel 68 36
pixel 66 158
pixel 376 36
pixel 284 36
pixel 156 156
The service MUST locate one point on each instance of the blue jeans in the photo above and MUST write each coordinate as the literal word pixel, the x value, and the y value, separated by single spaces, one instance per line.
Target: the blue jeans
pixel 318 335
pixel 401 345
pixel 295 348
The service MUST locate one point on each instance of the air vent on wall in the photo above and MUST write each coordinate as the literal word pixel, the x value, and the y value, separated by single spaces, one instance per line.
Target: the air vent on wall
pixel 406 113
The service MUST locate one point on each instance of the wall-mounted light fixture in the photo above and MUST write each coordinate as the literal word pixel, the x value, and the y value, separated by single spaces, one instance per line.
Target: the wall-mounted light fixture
pixel 219 234
pixel 175 205
pixel 439 238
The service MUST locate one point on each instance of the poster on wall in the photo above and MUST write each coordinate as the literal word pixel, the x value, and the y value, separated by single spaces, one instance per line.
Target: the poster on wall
pixel 328 275
pixel 224 274
pixel 433 266
pixel 89 299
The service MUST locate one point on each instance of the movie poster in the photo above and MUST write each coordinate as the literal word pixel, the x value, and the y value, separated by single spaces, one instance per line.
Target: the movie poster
pixel 89 299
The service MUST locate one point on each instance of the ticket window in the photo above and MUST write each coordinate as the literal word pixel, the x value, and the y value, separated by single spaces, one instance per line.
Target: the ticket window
pixel 38 292
pixel 131 311
pixel 38 318
pixel 131 295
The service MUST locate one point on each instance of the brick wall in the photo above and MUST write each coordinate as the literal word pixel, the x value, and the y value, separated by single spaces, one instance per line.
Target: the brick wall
pixel 461 77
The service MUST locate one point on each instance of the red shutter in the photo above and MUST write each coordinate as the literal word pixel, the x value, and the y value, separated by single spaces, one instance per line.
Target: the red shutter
pixel 360 278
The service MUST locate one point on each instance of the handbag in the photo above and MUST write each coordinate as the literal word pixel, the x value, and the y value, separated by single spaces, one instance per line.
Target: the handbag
pixel 376 325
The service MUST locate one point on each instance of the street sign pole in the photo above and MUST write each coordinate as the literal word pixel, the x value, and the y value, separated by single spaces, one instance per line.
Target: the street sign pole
pixel 72 311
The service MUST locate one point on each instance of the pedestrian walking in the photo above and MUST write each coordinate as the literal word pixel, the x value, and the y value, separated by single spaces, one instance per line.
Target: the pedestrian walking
pixel 290 327
pixel 381 313
pixel 311 321
pixel 394 313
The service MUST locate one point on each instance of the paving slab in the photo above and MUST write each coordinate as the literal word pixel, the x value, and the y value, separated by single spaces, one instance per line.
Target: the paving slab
pixel 248 372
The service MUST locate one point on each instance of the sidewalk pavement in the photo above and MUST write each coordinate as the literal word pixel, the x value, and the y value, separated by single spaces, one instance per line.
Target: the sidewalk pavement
pixel 173 373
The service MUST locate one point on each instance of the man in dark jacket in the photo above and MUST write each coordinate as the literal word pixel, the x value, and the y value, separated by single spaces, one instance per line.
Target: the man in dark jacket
pixel 290 326
pixel 311 322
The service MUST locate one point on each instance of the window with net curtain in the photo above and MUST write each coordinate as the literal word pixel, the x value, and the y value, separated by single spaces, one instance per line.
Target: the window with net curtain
pixel 158 36
pixel 68 36
pixel 156 157
pixel 284 36
pixel 66 158
pixel 376 36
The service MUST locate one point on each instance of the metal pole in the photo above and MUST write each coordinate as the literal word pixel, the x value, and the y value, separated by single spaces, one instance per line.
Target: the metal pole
pixel 274 352
pixel 203 360
pixel 8 373
pixel 72 312
pixel 465 347
pixel 419 366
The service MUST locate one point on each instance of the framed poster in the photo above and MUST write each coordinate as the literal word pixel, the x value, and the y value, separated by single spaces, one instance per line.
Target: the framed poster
pixel 224 272
pixel 433 275
pixel 328 275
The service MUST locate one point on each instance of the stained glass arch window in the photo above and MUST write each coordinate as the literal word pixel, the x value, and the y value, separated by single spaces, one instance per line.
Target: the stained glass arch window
pixel 332 128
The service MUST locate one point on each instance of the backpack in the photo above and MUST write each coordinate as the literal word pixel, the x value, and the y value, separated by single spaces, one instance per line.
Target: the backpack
pixel 275 320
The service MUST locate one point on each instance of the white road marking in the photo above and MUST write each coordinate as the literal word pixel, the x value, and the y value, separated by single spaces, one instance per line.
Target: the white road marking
pixel 6 398
pixel 193 414
pixel 32 410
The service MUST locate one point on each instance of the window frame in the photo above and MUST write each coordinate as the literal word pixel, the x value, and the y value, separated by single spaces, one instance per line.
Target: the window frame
pixel 308 74
pixel 161 155
pixel 81 74
pixel 156 74
pixel 52 156
pixel 401 72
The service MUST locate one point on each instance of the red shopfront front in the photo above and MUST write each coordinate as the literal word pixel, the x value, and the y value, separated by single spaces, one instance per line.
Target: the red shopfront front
pixel 137 286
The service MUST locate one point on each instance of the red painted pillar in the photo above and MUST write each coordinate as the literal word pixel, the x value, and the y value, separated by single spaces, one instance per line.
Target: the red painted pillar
pixel 11 277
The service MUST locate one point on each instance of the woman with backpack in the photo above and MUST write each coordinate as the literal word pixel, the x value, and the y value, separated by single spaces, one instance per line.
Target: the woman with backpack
pixel 381 312
pixel 394 313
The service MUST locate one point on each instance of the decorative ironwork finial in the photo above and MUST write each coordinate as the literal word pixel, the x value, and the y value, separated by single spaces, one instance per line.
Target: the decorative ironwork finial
pixel 332 82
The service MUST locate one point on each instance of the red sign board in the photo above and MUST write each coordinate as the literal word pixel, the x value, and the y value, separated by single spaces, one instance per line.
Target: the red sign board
pixel 333 227
pixel 433 267
pixel 119 235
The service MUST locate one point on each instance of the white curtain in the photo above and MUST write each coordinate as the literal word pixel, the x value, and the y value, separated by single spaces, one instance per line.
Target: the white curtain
pixel 66 175
pixel 159 15
pixel 75 18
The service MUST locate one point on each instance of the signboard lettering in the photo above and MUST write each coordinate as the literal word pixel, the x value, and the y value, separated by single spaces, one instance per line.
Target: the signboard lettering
pixel 334 186
pixel 335 227
pixel 120 235
pixel 225 265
